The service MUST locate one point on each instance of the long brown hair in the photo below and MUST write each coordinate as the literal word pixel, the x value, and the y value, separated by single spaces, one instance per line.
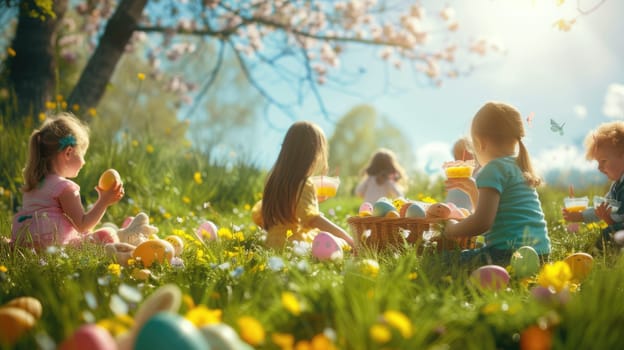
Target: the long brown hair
pixel 382 164
pixel 54 135
pixel 502 124
pixel 304 151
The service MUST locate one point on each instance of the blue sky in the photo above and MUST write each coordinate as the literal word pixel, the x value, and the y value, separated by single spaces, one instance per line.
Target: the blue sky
pixel 565 76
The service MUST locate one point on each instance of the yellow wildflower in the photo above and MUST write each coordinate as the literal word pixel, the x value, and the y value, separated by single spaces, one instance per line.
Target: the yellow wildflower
pixel 201 316
pixel 247 207
pixel 251 330
pixel 288 233
pixel 555 275
pixel 42 116
pixel 197 178
pixel 11 52
pixel 149 148
pixel 225 233
pixel 398 320
pixel 141 76
pixel 290 303
pixel 64 105
pixel 283 340
pixel 117 325
pixel 92 112
pixel 412 276
pixel 134 143
pixel 114 269
pixel 188 301
pixel 50 104
pixel 322 342
pixel 303 345
pixel 186 200
pixel 3 268
pixel 380 333
pixel 75 107
pixel 369 267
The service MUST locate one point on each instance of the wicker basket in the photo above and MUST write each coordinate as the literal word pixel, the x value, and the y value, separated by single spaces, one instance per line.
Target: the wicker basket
pixel 393 232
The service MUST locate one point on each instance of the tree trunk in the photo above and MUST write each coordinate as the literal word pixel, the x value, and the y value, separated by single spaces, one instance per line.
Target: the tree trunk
pixel 99 70
pixel 32 72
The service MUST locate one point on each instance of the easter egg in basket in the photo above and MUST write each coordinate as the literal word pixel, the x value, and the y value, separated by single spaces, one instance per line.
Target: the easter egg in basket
pixel 366 209
pixel 108 179
pixel 381 208
pixel 415 210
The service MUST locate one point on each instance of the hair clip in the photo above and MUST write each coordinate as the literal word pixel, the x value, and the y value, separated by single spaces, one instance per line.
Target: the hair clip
pixel 67 141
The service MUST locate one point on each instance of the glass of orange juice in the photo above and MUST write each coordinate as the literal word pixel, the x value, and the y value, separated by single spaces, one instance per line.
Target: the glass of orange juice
pixel 575 204
pixel 326 186
pixel 458 169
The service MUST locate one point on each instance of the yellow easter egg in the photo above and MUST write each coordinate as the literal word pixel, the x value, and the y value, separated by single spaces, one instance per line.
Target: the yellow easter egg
pixel 580 265
pixel 108 179
pixel 14 322
pixel 392 214
pixel 141 274
pixel 399 202
pixel 177 243
pixel 28 304
pixel 153 250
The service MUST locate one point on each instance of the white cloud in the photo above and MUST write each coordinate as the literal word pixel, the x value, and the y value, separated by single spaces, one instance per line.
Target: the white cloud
pixel 614 101
pixel 430 156
pixel 580 111
pixel 564 157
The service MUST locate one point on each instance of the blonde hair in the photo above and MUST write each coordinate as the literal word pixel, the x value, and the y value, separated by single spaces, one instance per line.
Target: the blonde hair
pixel 606 135
pixel 502 124
pixel 382 164
pixel 304 152
pixel 54 135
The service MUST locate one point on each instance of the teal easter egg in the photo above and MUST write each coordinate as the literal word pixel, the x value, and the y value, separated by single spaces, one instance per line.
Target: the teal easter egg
pixel 525 262
pixel 491 277
pixel 169 331
pixel 415 210
pixel 223 337
pixel 381 208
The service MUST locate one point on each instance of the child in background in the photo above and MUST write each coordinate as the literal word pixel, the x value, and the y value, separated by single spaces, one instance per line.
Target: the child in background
pixel 606 145
pixel 290 210
pixel 456 196
pixel 381 177
pixel 507 208
pixel 52 212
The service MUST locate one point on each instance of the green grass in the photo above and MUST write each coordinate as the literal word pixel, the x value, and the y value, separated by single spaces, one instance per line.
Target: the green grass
pixel 239 277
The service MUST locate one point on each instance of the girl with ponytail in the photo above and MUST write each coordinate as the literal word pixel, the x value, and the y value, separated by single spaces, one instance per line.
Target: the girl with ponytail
pixel 507 211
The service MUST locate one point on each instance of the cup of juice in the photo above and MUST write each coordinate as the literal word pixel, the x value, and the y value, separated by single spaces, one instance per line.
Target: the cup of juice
pixel 575 204
pixel 326 186
pixel 598 200
pixel 458 169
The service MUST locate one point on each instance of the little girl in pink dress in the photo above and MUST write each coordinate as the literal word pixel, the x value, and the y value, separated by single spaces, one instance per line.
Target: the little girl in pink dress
pixel 52 212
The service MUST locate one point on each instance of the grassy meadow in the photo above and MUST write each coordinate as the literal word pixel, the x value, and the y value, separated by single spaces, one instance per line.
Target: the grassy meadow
pixel 288 300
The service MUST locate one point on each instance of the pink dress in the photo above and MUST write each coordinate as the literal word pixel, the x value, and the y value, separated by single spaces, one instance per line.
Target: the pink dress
pixel 41 221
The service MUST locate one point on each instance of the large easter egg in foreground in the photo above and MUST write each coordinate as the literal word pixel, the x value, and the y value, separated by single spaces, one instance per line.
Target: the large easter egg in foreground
pixel 525 262
pixel 492 277
pixel 89 336
pixel 14 322
pixel 153 250
pixel 169 331
pixel 580 265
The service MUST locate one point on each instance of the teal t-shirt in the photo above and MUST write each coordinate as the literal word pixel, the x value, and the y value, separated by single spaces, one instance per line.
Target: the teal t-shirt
pixel 519 219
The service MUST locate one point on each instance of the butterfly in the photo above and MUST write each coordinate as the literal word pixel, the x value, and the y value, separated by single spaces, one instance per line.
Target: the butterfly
pixel 529 118
pixel 556 127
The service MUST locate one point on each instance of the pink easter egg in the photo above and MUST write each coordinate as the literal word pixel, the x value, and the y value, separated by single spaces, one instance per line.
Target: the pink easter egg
pixel 207 230
pixel 366 209
pixel 127 221
pixel 89 336
pixel 492 277
pixel 326 247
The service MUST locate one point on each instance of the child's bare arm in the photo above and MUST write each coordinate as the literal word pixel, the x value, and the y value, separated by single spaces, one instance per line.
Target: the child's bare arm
pixel 85 221
pixel 326 225
pixel 482 218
